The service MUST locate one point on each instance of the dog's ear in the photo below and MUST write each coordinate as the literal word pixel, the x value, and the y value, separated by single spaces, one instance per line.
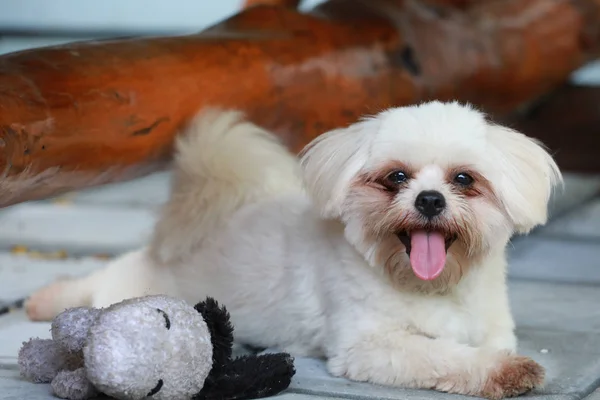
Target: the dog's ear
pixel 332 160
pixel 526 179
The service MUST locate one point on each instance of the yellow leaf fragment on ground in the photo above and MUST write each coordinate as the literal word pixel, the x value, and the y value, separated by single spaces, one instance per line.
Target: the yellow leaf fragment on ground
pixel 19 249
pixel 48 255
pixel 54 255
pixel 64 200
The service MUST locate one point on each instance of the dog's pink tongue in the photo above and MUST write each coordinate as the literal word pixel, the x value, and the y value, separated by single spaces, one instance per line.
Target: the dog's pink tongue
pixel 427 254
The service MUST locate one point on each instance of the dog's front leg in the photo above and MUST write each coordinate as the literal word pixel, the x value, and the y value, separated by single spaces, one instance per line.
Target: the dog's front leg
pixel 414 361
pixel 501 337
pixel 497 320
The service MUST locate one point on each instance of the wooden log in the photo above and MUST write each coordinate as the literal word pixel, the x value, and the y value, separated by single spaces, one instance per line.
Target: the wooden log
pixel 91 113
pixel 568 121
pixel 284 3
pixel 295 3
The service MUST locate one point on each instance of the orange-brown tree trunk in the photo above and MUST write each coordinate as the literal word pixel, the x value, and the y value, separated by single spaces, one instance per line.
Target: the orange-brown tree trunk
pixel 568 121
pixel 97 112
pixel 284 3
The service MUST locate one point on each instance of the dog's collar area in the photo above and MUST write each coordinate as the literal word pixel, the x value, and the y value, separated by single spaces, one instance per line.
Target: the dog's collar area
pixel 405 239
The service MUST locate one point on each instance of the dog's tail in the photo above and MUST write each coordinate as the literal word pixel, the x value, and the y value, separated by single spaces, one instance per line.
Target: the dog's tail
pixel 222 162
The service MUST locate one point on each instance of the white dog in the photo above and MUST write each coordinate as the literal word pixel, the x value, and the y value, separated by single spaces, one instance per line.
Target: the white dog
pixel 389 261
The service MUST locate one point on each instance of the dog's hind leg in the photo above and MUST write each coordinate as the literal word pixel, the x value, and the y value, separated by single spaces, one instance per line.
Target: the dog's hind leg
pixel 130 275
pixel 222 163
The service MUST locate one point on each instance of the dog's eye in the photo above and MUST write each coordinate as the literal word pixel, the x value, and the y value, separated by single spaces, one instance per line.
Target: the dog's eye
pixel 463 179
pixel 396 178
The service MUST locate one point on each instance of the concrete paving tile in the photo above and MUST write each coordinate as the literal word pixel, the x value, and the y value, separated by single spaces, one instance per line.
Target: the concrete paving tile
pixel 79 229
pixel 20 274
pixel 15 329
pixel 312 378
pixel 595 395
pixel 577 188
pixel 572 360
pixel 572 363
pixel 289 395
pixel 558 325
pixel 13 387
pixel 553 259
pixel 560 307
pixel 149 191
pixel 554 317
pixel 582 222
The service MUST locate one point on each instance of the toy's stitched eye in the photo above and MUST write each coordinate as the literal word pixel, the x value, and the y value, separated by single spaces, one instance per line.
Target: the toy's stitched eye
pixel 463 179
pixel 156 389
pixel 396 178
pixel 167 320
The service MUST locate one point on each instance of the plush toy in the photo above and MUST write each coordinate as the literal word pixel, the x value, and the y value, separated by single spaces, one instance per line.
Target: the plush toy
pixel 155 346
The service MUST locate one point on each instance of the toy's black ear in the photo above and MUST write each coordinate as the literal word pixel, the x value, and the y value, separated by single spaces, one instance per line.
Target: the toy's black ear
pixel 221 331
pixel 250 377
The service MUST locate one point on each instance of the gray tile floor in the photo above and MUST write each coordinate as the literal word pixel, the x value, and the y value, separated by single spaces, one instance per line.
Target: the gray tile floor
pixel 554 283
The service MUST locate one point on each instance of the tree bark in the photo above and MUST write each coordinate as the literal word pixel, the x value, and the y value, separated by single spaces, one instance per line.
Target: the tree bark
pixel 96 112
pixel 284 3
pixel 568 122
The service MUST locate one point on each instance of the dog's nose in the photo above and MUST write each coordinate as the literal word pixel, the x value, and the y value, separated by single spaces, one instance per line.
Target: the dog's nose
pixel 430 203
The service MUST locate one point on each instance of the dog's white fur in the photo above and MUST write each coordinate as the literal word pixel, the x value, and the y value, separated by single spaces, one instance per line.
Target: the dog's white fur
pixel 320 271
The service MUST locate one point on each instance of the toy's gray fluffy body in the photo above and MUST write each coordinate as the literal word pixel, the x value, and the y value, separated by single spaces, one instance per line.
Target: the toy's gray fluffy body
pixel 114 351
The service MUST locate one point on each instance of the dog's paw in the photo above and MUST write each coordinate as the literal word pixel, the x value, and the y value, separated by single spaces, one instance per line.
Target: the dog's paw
pixel 513 376
pixel 44 304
